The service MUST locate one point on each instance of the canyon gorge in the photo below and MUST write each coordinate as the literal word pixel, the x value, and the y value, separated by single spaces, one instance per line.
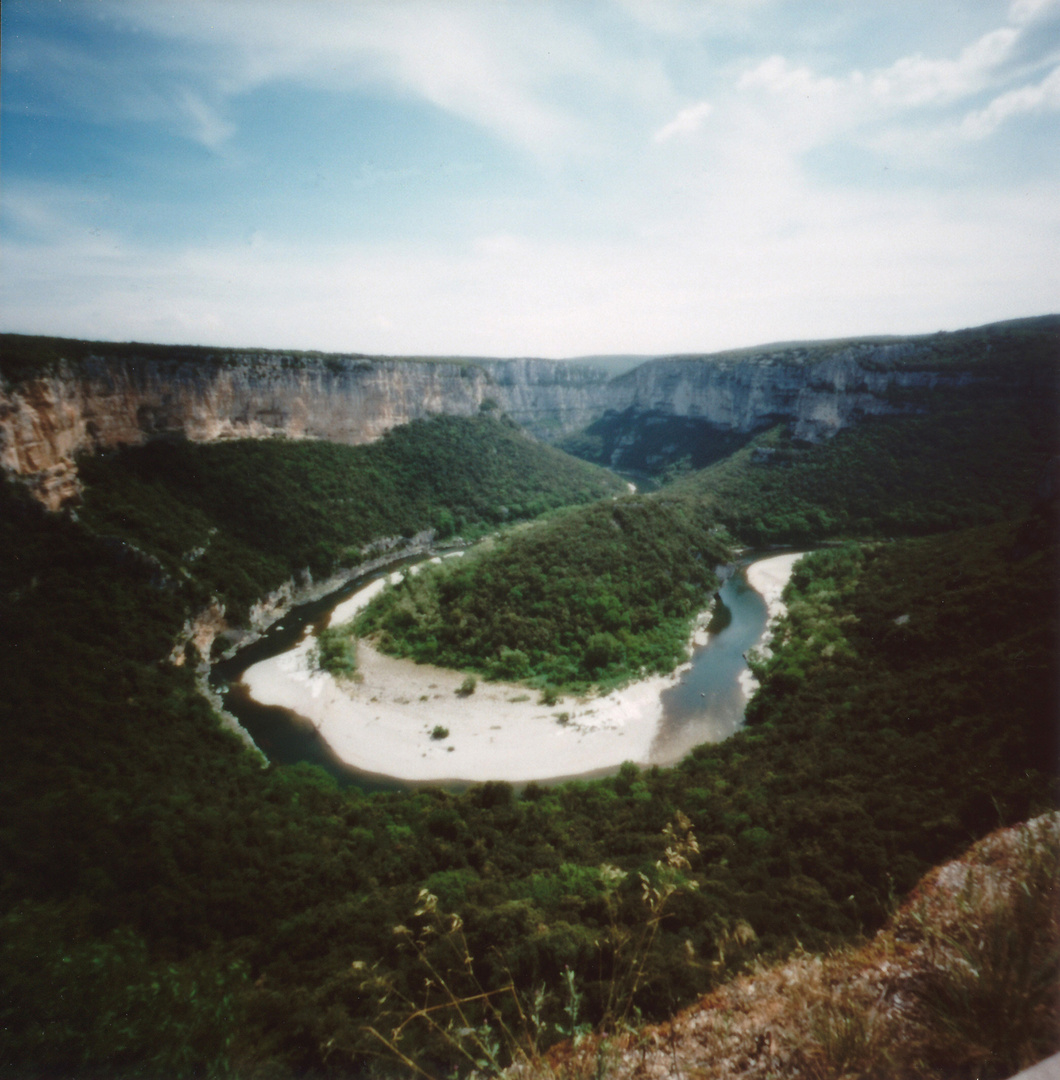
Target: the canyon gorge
pixel 88 396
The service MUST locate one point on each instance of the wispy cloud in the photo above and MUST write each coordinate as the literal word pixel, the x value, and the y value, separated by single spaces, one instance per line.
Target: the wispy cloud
pixel 1026 11
pixel 917 110
pixel 729 278
pixel 681 178
pixel 919 80
pixel 512 69
pixel 1041 97
pixel 687 121
pixel 206 125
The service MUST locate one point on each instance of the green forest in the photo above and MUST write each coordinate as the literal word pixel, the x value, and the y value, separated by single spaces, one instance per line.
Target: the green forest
pixel 171 908
pixel 972 459
pixel 609 592
pixel 235 520
pixel 595 595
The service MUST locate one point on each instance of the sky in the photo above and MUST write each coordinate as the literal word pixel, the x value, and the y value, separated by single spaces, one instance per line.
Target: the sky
pixel 526 177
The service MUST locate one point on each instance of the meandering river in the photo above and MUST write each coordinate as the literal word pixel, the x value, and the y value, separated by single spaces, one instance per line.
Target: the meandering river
pixel 706 704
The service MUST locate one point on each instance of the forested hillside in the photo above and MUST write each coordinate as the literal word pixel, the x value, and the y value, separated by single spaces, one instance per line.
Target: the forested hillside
pixel 970 456
pixel 236 519
pixel 170 908
pixel 981 432
pixel 238 917
pixel 978 459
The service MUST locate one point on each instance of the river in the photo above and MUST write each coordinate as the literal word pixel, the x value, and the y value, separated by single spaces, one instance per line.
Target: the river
pixel 705 704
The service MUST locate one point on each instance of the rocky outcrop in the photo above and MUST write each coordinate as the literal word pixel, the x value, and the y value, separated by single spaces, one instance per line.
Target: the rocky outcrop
pixel 102 402
pixel 211 625
pixel 817 395
pixel 972 950
pixel 99 400
pixel 550 398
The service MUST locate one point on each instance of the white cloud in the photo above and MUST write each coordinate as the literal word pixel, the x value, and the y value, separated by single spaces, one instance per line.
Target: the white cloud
pixel 527 72
pixel 911 81
pixel 686 122
pixel 1045 96
pixel 724 239
pixel 917 80
pixel 1026 11
pixel 906 113
pixel 786 109
pixel 787 261
pixel 779 76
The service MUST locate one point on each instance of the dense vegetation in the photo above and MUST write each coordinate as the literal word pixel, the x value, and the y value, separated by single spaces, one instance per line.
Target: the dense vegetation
pixel 237 519
pixel 168 907
pixel 227 915
pixel 975 458
pixel 646 444
pixel 603 593
pixel 958 456
pixel 597 594
pixel 337 651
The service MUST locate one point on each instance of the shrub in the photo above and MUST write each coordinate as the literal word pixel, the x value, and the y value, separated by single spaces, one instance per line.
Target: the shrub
pixel 337 651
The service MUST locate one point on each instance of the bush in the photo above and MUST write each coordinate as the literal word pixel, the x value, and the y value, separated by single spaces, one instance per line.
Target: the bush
pixel 337 651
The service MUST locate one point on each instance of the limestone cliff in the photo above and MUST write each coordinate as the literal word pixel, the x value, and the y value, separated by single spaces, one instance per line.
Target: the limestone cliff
pixel 101 401
pixel 91 396
pixel 817 394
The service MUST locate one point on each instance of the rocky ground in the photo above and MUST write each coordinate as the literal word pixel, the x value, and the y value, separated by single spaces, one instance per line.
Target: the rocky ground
pixel 961 983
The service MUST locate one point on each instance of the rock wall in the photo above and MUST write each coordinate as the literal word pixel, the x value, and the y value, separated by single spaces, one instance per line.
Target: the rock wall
pixel 99 402
pixel 102 401
pixel 818 396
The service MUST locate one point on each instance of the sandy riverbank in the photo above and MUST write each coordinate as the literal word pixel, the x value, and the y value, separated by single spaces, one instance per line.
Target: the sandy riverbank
pixel 768 577
pixel 383 723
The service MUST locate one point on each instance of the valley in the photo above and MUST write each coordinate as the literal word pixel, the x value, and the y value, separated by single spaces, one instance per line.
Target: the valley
pixel 166 507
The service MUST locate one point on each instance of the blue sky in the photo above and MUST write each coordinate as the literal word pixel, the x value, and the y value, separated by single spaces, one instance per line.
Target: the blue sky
pixel 526 178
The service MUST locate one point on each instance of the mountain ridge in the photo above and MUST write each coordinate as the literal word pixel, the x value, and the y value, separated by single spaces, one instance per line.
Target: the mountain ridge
pixel 60 398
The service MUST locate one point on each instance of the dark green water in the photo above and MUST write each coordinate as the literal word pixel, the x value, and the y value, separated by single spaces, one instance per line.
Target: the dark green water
pixel 284 737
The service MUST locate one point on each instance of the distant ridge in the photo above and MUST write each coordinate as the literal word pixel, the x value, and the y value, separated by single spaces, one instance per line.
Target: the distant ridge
pixel 1033 323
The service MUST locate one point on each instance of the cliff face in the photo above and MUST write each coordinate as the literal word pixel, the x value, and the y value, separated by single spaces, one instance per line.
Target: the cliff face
pixel 101 401
pixel 818 396
pixel 550 397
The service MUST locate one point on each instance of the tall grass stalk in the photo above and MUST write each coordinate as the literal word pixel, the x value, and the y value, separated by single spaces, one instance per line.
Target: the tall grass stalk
pixel 989 1001
pixel 456 1022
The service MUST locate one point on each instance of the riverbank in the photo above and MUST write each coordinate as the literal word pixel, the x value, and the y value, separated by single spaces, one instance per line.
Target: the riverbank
pixel 387 720
pixel 768 578
pixel 384 722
